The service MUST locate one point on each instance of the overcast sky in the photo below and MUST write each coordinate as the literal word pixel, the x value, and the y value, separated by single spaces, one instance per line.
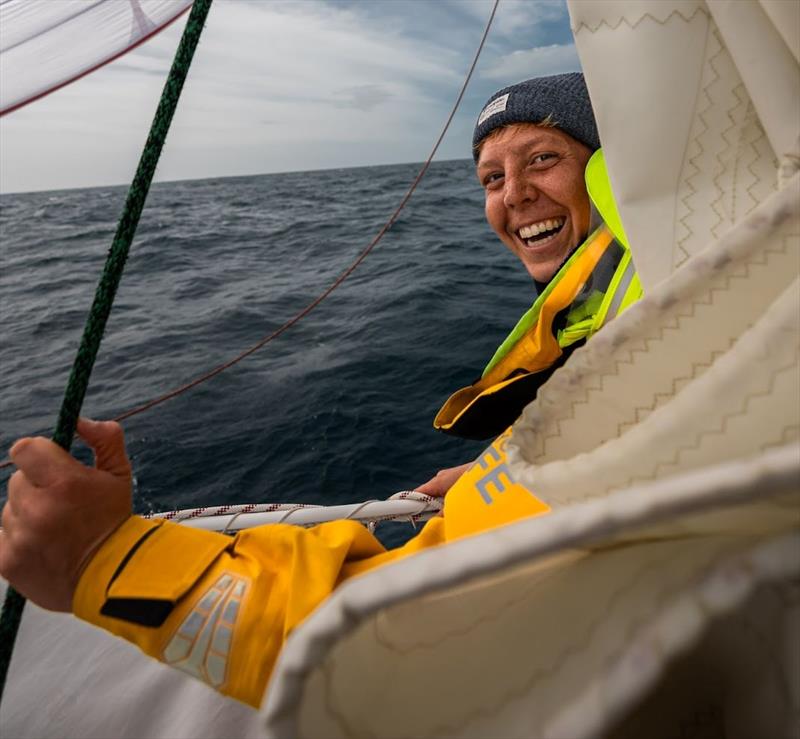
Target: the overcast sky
pixel 284 86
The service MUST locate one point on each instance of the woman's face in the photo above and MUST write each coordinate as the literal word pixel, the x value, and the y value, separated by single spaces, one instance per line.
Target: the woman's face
pixel 536 199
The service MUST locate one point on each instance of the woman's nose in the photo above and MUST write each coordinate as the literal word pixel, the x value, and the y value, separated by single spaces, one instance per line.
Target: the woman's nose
pixel 518 189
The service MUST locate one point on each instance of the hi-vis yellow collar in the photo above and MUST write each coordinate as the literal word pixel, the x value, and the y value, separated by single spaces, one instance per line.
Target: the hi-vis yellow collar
pixel 486 495
pixel 489 405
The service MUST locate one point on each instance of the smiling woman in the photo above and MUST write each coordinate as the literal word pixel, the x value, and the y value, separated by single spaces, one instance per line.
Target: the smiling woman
pixel 533 146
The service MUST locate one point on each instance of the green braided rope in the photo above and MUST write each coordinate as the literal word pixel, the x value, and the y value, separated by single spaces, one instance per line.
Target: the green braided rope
pixel 107 286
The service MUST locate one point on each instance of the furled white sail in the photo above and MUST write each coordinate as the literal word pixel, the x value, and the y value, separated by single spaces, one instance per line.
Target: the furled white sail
pixel 46 44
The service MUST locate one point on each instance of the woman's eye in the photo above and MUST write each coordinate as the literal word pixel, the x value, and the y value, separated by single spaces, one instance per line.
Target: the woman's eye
pixel 492 179
pixel 544 158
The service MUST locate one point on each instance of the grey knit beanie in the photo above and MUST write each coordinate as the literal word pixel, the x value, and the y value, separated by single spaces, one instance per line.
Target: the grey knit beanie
pixel 563 97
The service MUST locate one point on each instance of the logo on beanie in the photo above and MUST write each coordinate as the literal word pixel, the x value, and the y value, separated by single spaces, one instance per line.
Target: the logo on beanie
pixel 498 105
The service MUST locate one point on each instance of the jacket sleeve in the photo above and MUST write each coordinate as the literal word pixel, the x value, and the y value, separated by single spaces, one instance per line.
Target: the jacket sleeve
pixel 220 607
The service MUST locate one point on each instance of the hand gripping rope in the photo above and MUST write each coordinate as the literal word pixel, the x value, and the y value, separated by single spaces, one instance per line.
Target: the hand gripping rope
pixel 107 286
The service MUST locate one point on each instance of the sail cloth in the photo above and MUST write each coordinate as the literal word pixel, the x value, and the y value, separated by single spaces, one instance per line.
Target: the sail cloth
pixel 661 595
pixel 694 129
pixel 46 44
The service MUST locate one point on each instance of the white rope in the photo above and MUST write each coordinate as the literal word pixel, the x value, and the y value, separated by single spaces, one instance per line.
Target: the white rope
pixel 407 505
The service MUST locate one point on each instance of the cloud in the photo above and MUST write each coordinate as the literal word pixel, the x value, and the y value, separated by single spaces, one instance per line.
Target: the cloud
pixel 515 17
pixel 526 63
pixel 361 97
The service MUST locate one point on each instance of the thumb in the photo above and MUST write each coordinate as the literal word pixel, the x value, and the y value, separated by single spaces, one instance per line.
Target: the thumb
pixel 108 442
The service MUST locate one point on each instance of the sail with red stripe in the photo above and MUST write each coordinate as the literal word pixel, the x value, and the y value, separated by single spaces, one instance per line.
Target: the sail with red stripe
pixel 46 44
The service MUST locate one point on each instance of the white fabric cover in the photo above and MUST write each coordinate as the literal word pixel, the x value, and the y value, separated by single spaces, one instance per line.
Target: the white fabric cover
pixel 45 44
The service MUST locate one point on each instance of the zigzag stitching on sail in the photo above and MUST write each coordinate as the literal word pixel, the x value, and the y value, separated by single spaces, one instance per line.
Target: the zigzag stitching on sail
pixel 759 259
pixel 599 387
pixel 692 160
pixel 584 26
pixel 707 433
pixel 759 136
pixel 716 204
pixel 747 148
pixel 649 341
pixel 582 645
pixel 614 371
pixel 628 423
pixel 741 143
pixel 659 397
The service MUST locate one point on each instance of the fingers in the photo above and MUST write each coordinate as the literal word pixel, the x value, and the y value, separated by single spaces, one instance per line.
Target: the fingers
pixel 18 485
pixel 44 462
pixel 440 483
pixel 436 487
pixel 7 517
pixel 41 460
pixel 108 442
pixel 6 554
pixel 10 559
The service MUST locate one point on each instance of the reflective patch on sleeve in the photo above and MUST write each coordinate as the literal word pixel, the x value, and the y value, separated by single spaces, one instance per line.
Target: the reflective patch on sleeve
pixel 487 495
pixel 202 643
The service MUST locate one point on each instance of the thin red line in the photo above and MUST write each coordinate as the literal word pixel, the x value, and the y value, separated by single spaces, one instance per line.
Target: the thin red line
pixel 78 76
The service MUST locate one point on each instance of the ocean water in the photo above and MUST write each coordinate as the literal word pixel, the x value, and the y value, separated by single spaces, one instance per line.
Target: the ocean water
pixel 339 408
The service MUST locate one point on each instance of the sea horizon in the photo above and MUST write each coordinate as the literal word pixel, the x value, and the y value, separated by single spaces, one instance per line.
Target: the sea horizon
pixel 4 193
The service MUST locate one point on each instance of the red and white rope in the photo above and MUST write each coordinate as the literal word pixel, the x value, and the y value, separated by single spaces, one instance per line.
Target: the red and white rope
pixel 407 505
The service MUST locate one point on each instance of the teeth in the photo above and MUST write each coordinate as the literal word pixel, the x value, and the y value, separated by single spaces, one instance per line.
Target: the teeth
pixel 528 232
